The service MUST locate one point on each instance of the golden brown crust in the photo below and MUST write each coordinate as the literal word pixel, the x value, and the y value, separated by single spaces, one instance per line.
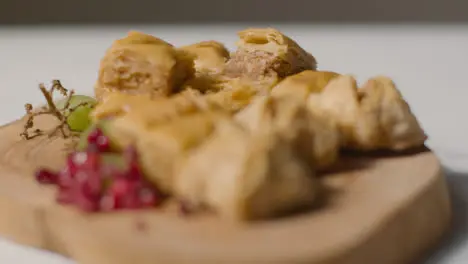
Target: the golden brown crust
pixel 209 58
pixel 265 52
pixel 143 108
pixel 316 139
pixel 142 64
pixel 151 110
pixel 302 84
pixel 371 118
pixel 208 83
pixel 273 41
pixel 235 96
pixel 386 120
pixel 161 147
pixel 136 37
pixel 245 175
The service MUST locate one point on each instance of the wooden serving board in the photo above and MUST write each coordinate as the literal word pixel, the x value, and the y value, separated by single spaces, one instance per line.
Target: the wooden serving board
pixel 381 210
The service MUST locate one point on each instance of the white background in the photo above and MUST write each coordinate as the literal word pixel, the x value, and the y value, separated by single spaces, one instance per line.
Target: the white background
pixel 428 63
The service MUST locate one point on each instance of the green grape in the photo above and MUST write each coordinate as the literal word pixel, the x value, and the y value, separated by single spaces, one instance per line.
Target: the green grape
pixel 75 100
pixel 79 119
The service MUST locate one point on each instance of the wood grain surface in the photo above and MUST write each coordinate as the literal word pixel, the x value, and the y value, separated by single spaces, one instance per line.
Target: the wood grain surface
pixel 379 209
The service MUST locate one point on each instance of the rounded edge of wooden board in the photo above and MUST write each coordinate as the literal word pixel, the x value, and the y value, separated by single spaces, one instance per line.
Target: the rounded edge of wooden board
pixel 386 235
pixel 396 234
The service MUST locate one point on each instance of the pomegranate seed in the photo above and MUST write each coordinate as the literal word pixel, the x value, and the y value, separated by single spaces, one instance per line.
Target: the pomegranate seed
pixel 102 143
pixel 121 187
pixel 97 141
pixel 92 161
pixel 65 178
pixel 109 171
pixel 92 148
pixel 45 176
pixel 108 203
pixel 133 172
pixel 85 197
pixel 71 166
pixel 79 158
pixel 83 160
pixel 131 156
pixel 130 201
pixel 93 185
pixel 81 176
pixel 94 135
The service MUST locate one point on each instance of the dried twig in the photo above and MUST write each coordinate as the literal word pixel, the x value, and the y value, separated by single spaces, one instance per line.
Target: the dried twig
pixel 67 100
pixel 57 85
pixel 51 109
pixel 50 102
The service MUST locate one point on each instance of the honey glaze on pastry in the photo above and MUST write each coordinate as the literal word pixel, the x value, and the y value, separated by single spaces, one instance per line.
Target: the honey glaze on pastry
pixel 265 54
pixel 302 84
pixel 209 59
pixel 142 64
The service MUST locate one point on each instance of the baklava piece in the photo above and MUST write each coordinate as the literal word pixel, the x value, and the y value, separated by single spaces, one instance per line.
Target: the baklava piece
pixel 142 64
pixel 161 147
pixel 315 138
pixel 246 175
pixel 371 118
pixel 209 60
pixel 265 56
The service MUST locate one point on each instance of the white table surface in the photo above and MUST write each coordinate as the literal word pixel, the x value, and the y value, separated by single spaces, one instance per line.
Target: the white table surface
pixel 429 63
